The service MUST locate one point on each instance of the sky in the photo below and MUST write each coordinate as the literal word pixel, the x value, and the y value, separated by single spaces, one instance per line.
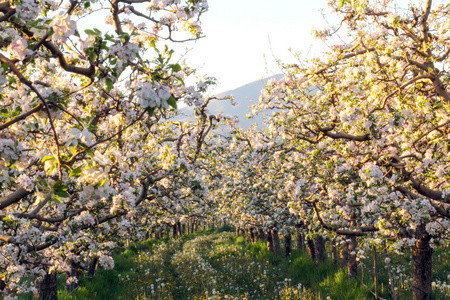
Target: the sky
pixel 243 38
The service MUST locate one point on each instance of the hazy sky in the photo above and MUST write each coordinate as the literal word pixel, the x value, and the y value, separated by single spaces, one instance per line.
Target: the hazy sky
pixel 243 38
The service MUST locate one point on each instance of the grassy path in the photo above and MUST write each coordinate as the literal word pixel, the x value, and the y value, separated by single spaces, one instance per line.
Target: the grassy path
pixel 213 266
pixel 220 266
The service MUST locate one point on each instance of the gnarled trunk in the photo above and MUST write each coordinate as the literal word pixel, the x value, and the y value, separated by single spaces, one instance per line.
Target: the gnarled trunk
pixel 75 272
pixel 92 267
pixel 269 242
pixel 343 256
pixel 422 254
pixel 261 235
pixel 251 235
pixel 334 255
pixel 352 267
pixel 311 248
pixel 375 272
pixel 320 249
pixel 46 288
pixel 300 241
pixel 276 242
pixel 287 245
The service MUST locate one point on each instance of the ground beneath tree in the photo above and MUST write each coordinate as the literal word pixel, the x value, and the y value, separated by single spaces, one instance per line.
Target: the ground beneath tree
pixel 219 265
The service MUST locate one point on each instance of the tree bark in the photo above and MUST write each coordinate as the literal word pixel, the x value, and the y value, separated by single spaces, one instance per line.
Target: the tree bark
pixel 287 245
pixel 46 288
pixel 74 272
pixel 174 230
pixel 269 242
pixel 391 278
pixel 301 241
pixel 352 266
pixel 251 235
pixel 92 267
pixel 375 272
pixel 320 249
pixel 422 254
pixel 261 235
pixel 334 255
pixel 178 228
pixel 311 248
pixel 276 242
pixel 343 256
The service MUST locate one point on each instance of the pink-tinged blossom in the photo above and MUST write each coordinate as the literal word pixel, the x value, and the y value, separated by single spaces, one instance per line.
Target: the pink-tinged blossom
pixel 63 27
pixel 18 49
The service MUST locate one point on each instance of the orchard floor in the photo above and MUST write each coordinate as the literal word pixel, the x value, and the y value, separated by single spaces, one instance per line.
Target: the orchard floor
pixel 219 265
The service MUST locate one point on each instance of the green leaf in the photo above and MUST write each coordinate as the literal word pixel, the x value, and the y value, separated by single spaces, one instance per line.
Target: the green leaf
pixel 11 79
pixel 89 31
pixel 103 182
pixel 5 67
pixel 109 84
pixel 75 172
pixel 176 68
pixel 48 157
pixel 57 199
pixel 172 102
pixel 62 194
pixel 150 111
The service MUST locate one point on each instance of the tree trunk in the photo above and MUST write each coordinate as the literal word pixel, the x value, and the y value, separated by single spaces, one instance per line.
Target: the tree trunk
pixel 178 228
pixel 391 278
pixel 375 272
pixel 300 241
pixel 251 235
pixel 334 255
pixel 422 265
pixel 287 245
pixel 174 230
pixel 352 266
pixel 276 242
pixel 236 231
pixel 46 288
pixel 74 272
pixel 343 256
pixel 311 248
pixel 92 267
pixel 269 242
pixel 261 235
pixel 320 249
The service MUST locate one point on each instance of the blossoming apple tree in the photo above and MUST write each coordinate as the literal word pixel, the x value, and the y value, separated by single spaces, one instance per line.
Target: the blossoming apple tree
pixel 371 121
pixel 86 151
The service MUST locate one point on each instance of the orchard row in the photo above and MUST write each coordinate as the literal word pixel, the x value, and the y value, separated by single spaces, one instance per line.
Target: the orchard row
pixel 93 153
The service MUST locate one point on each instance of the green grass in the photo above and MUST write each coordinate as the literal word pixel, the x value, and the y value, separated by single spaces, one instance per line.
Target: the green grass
pixel 215 264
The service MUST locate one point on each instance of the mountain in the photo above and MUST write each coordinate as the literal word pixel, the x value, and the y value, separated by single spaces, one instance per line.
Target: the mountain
pixel 244 97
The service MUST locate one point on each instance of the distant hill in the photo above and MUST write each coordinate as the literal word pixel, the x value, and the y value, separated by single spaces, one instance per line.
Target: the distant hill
pixel 244 97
